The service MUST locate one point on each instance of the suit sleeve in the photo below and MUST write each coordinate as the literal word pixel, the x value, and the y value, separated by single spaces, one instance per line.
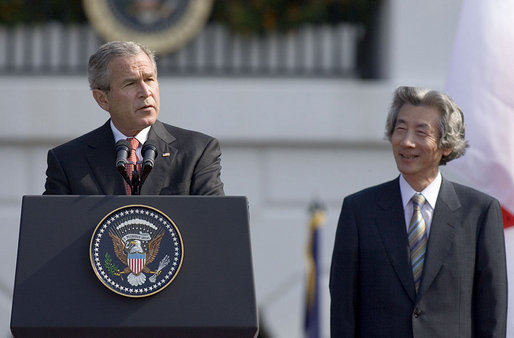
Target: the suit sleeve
pixel 56 180
pixel 207 173
pixel 490 292
pixel 344 284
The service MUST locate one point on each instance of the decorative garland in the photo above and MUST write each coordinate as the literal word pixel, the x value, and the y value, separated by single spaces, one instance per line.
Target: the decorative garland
pixel 245 17
pixel 258 17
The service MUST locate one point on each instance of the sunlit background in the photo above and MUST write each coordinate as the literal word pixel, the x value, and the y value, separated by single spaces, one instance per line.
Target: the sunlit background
pixel 296 92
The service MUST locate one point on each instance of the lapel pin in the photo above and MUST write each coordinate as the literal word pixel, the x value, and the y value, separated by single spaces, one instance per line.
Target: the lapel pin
pixel 165 154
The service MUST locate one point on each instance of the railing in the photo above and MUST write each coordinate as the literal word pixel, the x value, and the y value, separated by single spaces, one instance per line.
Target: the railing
pixel 316 51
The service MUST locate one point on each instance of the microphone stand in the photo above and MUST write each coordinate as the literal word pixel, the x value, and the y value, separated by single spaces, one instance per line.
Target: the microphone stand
pixel 123 173
pixel 135 182
pixel 138 178
pixel 135 185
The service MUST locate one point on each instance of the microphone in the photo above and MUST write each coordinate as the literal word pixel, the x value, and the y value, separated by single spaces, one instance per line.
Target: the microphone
pixel 149 152
pixel 122 149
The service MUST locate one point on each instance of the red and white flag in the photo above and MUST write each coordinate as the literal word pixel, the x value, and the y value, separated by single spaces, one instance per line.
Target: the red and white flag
pixel 481 81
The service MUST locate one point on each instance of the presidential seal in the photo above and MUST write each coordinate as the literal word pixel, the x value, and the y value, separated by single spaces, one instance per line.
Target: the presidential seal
pixel 161 25
pixel 136 251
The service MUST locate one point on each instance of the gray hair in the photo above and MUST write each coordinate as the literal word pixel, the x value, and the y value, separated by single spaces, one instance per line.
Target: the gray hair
pixel 451 123
pixel 98 72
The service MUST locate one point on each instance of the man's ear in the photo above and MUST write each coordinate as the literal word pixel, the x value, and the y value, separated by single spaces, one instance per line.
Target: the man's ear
pixel 101 98
pixel 447 151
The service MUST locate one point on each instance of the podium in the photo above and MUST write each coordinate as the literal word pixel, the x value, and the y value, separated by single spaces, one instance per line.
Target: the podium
pixel 57 292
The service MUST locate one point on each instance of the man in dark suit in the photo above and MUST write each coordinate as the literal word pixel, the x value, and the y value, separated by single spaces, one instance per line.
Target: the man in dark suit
pixel 123 79
pixel 420 256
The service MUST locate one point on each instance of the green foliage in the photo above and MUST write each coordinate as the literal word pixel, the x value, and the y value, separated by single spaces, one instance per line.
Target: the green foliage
pixel 247 17
pixel 109 265
pixel 33 12
pixel 250 17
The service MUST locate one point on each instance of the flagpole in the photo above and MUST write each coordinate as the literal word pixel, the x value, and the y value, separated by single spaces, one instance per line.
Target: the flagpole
pixel 312 325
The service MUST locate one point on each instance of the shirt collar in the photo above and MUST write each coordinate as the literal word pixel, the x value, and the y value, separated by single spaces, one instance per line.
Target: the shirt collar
pixel 430 192
pixel 142 136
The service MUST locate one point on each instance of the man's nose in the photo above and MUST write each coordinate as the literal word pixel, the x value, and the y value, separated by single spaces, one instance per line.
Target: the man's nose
pixel 144 89
pixel 407 140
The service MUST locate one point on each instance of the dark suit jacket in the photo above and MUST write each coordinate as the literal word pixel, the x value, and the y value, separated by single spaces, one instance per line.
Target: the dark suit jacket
pixel 86 165
pixel 463 291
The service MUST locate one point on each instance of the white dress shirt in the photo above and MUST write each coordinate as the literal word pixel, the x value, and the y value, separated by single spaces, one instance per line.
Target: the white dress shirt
pixel 430 193
pixel 142 136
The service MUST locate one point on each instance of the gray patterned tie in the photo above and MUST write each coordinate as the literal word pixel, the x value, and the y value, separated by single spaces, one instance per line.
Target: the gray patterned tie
pixel 417 239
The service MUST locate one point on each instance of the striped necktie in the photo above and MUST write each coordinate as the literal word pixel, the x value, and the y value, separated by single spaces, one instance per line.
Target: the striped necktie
pixel 134 143
pixel 417 239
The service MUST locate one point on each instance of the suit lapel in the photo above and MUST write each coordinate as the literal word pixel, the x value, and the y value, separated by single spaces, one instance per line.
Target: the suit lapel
pixel 101 158
pixel 442 233
pixel 392 229
pixel 163 162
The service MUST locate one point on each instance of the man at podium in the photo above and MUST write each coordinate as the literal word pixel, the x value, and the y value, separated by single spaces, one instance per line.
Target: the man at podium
pixel 132 147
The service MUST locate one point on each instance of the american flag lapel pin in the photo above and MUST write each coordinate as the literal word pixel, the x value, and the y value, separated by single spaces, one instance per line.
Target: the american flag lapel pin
pixel 165 154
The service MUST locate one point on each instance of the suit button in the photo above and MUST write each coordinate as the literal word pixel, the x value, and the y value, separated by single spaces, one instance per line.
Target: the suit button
pixel 417 313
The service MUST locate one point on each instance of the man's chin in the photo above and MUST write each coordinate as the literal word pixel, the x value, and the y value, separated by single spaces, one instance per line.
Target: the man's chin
pixel 145 122
pixel 406 170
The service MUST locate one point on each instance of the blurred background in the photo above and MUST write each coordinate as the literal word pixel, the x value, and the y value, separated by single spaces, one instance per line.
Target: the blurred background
pixel 296 91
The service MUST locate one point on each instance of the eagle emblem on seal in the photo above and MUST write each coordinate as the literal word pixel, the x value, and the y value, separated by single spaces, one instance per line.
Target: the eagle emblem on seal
pixel 135 257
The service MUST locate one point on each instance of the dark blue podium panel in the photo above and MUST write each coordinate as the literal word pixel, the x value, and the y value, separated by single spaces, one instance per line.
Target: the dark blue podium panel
pixel 57 292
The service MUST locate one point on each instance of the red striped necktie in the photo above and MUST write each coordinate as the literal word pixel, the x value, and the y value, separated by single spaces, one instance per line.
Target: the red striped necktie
pixel 134 143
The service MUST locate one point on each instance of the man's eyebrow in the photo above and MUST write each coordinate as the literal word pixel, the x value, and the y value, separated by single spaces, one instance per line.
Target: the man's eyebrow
pixel 137 77
pixel 129 79
pixel 423 125
pixel 148 74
